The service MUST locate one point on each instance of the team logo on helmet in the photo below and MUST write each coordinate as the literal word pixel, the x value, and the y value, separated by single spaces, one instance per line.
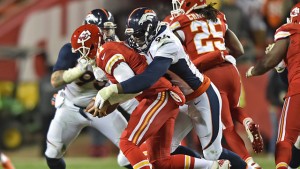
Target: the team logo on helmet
pixel 147 17
pixel 84 36
pixel 295 12
pixel 91 19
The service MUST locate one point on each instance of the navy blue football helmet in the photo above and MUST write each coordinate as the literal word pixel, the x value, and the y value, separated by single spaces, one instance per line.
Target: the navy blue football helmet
pixel 104 20
pixel 142 26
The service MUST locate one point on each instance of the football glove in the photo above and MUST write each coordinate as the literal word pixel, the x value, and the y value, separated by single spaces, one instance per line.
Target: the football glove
pixel 99 74
pixel 74 73
pixel 104 94
pixel 280 67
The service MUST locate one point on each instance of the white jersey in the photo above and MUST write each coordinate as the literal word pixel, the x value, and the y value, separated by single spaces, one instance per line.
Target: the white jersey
pixel 82 90
pixel 203 112
pixel 166 44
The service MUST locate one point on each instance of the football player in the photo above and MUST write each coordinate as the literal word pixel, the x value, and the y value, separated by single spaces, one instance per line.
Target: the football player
pixel 203 31
pixel 286 47
pixel 6 162
pixel 165 54
pixel 73 71
pixel 153 119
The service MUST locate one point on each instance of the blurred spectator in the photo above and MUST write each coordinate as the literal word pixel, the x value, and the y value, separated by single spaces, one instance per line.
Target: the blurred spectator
pixel 275 13
pixel 238 23
pixel 252 10
pixel 276 90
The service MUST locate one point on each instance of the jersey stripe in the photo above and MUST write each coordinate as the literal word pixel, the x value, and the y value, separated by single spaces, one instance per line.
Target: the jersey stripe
pixel 281 34
pixel 147 118
pixel 142 164
pixel 187 162
pixel 282 123
pixel 175 26
pixel 112 61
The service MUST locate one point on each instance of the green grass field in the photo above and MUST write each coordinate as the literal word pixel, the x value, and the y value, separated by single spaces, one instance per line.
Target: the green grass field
pixel 100 163
pixel 77 157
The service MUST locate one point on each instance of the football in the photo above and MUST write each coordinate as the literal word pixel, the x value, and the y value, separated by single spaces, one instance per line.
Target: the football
pixel 110 108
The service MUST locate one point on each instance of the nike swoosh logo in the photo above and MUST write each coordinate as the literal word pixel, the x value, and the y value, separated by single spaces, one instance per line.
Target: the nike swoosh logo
pixel 102 58
pixel 195 103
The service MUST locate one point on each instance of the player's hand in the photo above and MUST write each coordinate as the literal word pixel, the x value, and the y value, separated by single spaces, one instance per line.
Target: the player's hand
pixel 249 72
pixel 83 63
pixel 104 94
pixel 269 48
pixel 95 111
pixel 103 111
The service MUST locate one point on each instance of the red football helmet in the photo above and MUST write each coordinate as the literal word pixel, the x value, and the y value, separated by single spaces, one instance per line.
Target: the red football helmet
pixel 294 14
pixel 186 6
pixel 86 39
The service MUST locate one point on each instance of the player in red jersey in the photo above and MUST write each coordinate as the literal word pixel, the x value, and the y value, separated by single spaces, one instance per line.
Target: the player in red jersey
pixel 204 33
pixel 286 47
pixel 153 119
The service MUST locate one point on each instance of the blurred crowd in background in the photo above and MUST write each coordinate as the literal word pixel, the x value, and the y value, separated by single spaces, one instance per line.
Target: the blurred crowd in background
pixel 32 31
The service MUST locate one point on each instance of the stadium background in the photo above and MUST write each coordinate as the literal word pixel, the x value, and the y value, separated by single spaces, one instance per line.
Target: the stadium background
pixel 32 32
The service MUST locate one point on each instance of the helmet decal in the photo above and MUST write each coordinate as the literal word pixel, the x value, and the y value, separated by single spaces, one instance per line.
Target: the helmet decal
pixel 148 16
pixel 90 19
pixel 84 36
pixel 295 12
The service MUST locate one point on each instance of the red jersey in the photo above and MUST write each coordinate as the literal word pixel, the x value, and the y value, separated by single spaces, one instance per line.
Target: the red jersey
pixel 111 54
pixel 201 35
pixel 292 59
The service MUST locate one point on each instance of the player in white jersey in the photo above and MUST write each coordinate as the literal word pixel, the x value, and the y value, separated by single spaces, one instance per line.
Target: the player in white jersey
pixel 165 54
pixel 81 85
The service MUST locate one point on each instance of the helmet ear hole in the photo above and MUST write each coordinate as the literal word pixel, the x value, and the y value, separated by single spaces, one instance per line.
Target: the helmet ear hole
pixel 188 4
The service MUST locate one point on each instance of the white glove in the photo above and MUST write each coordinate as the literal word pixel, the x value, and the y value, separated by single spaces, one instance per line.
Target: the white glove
pixel 104 94
pixel 280 67
pixel 74 73
pixel 269 48
pixel 83 63
pixel 99 74
pixel 249 72
pixel 230 59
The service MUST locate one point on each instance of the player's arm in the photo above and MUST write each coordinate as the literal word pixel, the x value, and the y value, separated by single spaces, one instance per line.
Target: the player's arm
pixel 210 59
pixel 276 54
pixel 66 68
pixel 156 69
pixel 233 44
pixel 57 78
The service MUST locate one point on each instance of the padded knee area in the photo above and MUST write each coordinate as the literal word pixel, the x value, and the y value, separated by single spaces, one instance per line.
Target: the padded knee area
pixel 54 151
pixel 210 154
